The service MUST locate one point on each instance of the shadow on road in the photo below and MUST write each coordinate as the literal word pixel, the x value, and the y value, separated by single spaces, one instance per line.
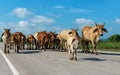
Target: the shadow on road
pixel 94 59
pixel 104 53
pixel 29 52
pixel 117 54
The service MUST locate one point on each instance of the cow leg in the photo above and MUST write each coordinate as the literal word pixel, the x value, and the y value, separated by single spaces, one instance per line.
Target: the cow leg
pixel 11 46
pixel 87 48
pixel 94 48
pixel 83 46
pixel 69 51
pixel 72 56
pixel 72 53
pixel 15 47
pixel 66 47
pixel 23 46
pixel 5 48
pixel 30 46
pixel 8 49
pixel 40 46
pixel 36 46
pixel 61 47
pixel 44 48
pixel 18 47
pixel 75 54
pixel 27 46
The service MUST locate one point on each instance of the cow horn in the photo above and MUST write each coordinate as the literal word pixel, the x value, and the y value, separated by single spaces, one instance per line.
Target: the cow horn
pixel 95 23
pixel 104 24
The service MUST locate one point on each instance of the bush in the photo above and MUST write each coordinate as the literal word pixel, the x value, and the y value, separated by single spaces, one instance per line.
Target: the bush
pixel 114 38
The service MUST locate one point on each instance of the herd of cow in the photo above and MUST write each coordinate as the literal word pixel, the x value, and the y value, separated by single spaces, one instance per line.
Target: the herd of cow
pixel 66 39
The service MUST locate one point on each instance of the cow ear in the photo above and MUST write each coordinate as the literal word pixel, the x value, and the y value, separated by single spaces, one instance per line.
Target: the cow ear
pixel 95 30
pixel 70 33
pixel 104 24
pixel 105 30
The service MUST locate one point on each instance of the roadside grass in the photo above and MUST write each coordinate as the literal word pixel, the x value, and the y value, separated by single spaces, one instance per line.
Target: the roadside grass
pixel 105 46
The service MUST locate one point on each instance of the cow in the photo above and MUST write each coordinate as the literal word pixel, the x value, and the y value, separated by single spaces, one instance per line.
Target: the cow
pixel 51 36
pixel 6 37
pixel 42 39
pixel 23 41
pixel 72 47
pixel 16 40
pixel 65 34
pixel 56 42
pixel 31 41
pixel 92 34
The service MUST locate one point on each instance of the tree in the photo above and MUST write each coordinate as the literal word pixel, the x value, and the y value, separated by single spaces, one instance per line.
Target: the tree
pixel 114 38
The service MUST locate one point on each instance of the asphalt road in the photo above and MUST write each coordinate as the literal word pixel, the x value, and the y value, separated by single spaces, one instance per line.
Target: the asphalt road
pixel 33 62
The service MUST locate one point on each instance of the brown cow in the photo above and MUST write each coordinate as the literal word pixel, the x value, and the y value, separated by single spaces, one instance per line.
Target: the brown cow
pixel 23 41
pixel 16 40
pixel 65 34
pixel 92 34
pixel 56 42
pixel 51 36
pixel 6 35
pixel 31 41
pixel 42 39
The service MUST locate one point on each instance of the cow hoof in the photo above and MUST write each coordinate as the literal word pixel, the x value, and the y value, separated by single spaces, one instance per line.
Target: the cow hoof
pixel 92 52
pixel 8 52
pixel 75 58
pixel 17 51
pixel 96 53
pixel 5 52
pixel 71 58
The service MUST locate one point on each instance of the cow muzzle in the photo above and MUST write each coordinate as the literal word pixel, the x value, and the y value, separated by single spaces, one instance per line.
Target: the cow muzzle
pixel 101 34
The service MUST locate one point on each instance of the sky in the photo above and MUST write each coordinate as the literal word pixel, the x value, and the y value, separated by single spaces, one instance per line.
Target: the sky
pixel 30 16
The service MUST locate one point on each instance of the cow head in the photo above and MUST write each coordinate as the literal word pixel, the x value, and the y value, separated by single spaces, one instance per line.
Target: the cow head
pixel 74 33
pixel 51 36
pixel 7 33
pixel 99 29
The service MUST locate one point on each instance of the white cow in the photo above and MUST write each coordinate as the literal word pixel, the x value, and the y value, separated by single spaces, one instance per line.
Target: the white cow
pixel 72 47
pixel 65 34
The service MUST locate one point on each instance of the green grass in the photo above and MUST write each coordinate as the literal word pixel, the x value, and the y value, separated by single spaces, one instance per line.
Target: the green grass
pixel 105 46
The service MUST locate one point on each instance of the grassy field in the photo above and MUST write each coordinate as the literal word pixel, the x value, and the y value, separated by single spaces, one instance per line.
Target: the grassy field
pixel 106 46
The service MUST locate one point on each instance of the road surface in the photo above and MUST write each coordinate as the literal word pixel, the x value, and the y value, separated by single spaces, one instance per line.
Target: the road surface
pixel 33 62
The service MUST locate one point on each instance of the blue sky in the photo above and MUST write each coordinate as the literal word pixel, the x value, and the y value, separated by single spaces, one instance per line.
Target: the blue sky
pixel 29 16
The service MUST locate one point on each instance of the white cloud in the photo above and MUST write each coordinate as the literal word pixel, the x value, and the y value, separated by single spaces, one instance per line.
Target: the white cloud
pixel 20 12
pixel 58 6
pixel 23 23
pixel 78 10
pixel 23 26
pixel 53 15
pixel 84 21
pixel 81 22
pixel 117 20
pixel 42 20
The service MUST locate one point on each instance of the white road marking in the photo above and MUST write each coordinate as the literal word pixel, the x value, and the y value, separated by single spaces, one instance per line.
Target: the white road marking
pixel 14 71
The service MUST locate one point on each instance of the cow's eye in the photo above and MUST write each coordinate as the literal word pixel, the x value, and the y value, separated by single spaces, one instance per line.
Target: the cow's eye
pixel 70 33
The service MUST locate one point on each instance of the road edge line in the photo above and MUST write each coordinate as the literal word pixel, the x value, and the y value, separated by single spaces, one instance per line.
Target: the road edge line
pixel 11 66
